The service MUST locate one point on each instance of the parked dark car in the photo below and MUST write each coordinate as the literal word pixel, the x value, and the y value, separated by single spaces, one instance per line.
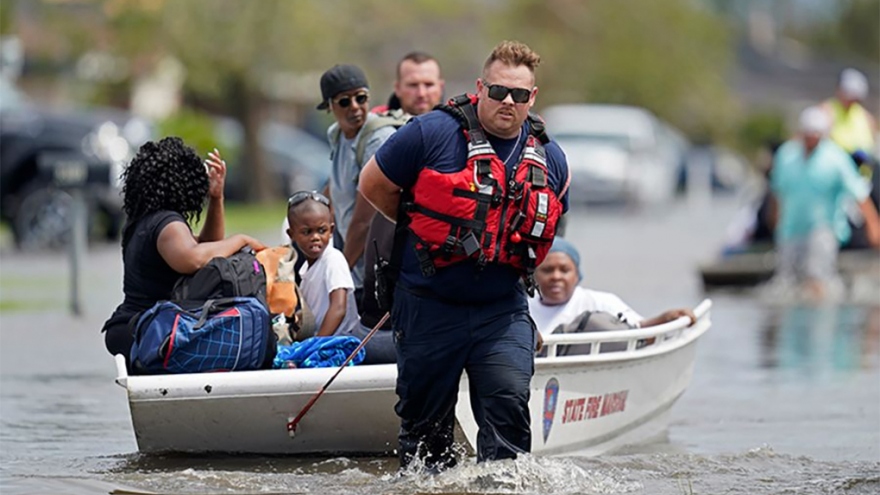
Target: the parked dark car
pixel 296 159
pixel 44 152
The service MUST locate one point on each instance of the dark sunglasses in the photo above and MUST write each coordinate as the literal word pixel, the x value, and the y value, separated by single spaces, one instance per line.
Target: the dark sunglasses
pixel 499 93
pixel 299 197
pixel 345 101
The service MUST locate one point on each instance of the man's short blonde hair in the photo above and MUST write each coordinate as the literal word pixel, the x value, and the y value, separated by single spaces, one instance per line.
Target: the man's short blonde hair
pixel 514 54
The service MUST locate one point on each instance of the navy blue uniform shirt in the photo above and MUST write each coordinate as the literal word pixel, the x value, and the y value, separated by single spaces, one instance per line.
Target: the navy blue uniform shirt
pixel 435 140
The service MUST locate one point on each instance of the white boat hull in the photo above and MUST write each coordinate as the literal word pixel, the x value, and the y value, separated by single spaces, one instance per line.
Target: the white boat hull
pixel 600 401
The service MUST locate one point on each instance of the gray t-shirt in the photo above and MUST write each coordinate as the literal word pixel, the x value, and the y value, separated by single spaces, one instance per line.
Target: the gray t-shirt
pixel 344 180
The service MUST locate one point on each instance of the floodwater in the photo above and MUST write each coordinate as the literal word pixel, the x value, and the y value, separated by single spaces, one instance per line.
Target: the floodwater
pixel 785 399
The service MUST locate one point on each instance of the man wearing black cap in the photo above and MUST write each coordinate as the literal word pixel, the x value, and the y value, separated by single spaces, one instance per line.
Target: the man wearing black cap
pixel 345 92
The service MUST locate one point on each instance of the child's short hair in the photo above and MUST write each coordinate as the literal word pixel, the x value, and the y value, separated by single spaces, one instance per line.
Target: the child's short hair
pixel 305 200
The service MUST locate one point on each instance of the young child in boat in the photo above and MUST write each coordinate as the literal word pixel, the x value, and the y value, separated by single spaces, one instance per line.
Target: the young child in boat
pixel 327 286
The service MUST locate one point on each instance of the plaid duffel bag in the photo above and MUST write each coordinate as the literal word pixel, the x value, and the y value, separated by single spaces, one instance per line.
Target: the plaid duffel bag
pixel 226 334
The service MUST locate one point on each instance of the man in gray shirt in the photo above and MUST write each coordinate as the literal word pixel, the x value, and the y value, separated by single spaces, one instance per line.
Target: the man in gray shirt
pixel 346 94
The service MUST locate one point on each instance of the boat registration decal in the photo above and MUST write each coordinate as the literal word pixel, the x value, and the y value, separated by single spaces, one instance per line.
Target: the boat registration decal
pixel 596 406
pixel 551 393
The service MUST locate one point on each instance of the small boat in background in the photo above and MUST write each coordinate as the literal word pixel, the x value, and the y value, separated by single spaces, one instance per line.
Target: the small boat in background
pixel 751 268
pixel 748 256
pixel 588 403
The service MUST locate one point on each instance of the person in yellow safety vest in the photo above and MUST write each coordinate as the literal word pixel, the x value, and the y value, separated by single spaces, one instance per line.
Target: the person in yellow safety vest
pixel 854 129
pixel 852 126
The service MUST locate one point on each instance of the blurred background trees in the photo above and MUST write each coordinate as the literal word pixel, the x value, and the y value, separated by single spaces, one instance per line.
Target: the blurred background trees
pixel 672 57
pixel 727 72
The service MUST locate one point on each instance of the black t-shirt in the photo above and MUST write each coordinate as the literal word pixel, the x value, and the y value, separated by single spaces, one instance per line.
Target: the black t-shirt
pixel 147 278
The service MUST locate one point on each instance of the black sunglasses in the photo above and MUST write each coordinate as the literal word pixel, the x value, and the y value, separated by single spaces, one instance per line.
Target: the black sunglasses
pixel 300 196
pixel 345 101
pixel 499 93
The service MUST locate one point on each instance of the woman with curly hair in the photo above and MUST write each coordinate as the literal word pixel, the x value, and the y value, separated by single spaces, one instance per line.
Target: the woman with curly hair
pixel 165 187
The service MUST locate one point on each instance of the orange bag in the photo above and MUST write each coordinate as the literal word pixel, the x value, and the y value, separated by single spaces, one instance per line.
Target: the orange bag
pixel 281 291
pixel 283 296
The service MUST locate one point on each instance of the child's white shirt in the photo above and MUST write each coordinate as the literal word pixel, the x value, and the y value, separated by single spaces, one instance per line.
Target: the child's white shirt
pixel 328 273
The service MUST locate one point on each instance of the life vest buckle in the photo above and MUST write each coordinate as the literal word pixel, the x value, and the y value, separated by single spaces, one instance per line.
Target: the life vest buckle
pixel 530 284
pixel 426 264
pixel 533 258
pixel 470 243
pixel 515 190
pixel 517 221
pixel 448 247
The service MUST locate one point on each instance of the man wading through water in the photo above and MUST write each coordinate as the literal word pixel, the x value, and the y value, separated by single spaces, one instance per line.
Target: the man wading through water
pixel 481 215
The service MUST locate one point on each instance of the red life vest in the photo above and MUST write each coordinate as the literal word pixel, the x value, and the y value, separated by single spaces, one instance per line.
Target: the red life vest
pixel 481 212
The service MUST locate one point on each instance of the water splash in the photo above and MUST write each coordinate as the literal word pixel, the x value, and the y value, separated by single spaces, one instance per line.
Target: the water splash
pixel 524 475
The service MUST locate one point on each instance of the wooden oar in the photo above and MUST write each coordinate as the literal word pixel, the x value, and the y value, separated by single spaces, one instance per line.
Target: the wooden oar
pixel 291 424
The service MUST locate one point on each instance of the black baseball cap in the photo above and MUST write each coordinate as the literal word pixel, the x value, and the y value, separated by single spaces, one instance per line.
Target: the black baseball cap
pixel 339 78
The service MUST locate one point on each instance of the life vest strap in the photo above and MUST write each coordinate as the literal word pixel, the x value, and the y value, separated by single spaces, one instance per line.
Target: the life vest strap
pixel 458 222
pixel 474 195
pixel 537 128
pixel 484 167
pixel 460 100
pixel 530 283
pixel 537 176
pixel 426 262
pixel 484 201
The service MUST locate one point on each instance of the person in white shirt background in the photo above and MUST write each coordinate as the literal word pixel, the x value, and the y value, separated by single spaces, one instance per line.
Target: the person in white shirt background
pixel 560 300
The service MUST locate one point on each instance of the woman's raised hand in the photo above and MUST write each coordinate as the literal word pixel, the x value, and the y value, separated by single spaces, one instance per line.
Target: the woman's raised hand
pixel 216 168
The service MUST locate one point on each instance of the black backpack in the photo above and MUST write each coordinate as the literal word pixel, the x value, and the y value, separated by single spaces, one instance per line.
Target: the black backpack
pixel 239 275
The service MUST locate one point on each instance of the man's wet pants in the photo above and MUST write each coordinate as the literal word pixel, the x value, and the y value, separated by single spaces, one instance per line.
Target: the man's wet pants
pixel 436 341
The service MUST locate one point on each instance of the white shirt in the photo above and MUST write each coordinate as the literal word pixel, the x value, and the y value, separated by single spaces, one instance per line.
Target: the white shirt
pixel 547 318
pixel 328 273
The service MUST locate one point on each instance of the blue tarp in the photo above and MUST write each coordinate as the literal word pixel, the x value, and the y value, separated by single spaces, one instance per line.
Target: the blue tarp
pixel 319 352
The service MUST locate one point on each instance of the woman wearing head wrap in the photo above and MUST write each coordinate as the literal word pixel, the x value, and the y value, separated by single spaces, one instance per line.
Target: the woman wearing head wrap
pixel 562 301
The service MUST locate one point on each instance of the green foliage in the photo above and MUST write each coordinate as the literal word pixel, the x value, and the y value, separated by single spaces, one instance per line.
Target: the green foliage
pixel 261 220
pixel 859 26
pixel 7 14
pixel 670 57
pixel 31 293
pixel 195 128
pixel 854 32
pixel 109 94
pixel 12 306
pixel 761 129
pixel 673 57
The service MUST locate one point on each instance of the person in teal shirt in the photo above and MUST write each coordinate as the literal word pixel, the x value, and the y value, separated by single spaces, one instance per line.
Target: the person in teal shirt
pixel 810 175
